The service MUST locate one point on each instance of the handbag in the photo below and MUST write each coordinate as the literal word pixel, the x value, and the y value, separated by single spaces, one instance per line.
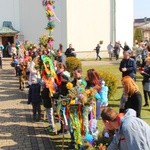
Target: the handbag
pixel 12 64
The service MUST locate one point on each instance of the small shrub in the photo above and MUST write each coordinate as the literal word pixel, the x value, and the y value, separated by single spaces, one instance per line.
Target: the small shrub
pixel 72 63
pixel 111 81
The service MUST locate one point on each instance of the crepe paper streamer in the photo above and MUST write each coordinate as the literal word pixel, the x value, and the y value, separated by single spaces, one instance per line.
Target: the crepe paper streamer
pixel 52 117
pixel 51 43
pixel 50 7
pixel 45 60
pixel 91 120
pixel 76 124
pixel 85 111
pixel 50 75
pixel 93 125
pixel 63 110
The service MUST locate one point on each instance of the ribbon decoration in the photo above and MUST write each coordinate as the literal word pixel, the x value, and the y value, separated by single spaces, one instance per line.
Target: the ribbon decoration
pixel 49 72
pixel 50 13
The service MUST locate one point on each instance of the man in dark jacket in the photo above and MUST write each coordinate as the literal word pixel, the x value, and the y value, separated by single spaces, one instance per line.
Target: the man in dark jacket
pixel 128 65
pixel 70 51
pixel 97 52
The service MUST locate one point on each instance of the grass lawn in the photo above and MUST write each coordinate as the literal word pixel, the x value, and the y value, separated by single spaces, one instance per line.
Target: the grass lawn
pixel 114 102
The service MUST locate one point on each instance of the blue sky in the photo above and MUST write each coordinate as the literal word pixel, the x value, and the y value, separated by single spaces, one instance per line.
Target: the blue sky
pixel 141 8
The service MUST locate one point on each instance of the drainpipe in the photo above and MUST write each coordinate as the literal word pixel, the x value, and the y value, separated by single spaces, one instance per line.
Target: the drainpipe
pixel 113 20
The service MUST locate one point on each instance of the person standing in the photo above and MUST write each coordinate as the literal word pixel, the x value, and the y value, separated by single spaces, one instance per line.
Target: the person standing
pixel 59 57
pixel 128 66
pixel 126 47
pixel 97 52
pixel 35 98
pixel 117 50
pixel 13 49
pixel 110 49
pixel 134 98
pixel 146 81
pixel 132 133
pixel 70 51
pixel 144 54
pixel 93 80
pixel 1 55
pixel 61 48
pixel 47 103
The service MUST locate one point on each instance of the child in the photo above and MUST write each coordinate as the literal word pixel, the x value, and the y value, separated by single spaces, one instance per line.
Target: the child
pixel 21 79
pixel 35 98
pixel 1 54
pixel 47 102
pixel 16 62
pixel 63 78
pixel 103 94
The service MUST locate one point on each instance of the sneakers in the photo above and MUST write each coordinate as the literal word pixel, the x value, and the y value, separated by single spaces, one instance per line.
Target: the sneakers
pixel 34 118
pixel 51 129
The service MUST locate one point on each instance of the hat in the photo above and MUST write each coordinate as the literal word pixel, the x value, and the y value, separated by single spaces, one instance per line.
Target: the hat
pixel 103 83
pixel 66 75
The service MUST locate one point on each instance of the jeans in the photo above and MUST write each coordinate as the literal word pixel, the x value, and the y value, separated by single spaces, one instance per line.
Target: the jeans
pixel 98 56
pixel 146 96
pixel 50 117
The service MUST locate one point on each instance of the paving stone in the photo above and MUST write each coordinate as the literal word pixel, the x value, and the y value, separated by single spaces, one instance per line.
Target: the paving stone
pixel 18 130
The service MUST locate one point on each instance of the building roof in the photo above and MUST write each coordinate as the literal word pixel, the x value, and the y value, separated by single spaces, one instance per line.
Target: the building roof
pixel 7 28
pixel 145 26
pixel 142 20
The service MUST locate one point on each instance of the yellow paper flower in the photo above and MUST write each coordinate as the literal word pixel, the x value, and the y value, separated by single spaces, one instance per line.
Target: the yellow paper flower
pixel 88 92
pixel 72 102
pixel 69 85
pixel 51 30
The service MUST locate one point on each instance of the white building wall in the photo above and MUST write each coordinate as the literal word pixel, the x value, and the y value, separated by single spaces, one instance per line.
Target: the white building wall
pixel 83 22
pixel 88 22
pixel 60 31
pixel 33 20
pixel 9 10
pixel 124 21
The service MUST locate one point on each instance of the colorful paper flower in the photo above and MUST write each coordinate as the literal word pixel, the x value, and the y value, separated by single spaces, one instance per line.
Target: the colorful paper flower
pixel 69 85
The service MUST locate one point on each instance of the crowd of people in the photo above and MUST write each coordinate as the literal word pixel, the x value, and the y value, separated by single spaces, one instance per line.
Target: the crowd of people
pixel 74 100
pixel 77 103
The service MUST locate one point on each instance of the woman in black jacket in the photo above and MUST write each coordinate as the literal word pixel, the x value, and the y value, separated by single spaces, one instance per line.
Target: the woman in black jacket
pixel 134 98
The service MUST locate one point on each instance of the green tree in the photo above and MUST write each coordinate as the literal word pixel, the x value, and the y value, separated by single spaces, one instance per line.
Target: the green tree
pixel 138 35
